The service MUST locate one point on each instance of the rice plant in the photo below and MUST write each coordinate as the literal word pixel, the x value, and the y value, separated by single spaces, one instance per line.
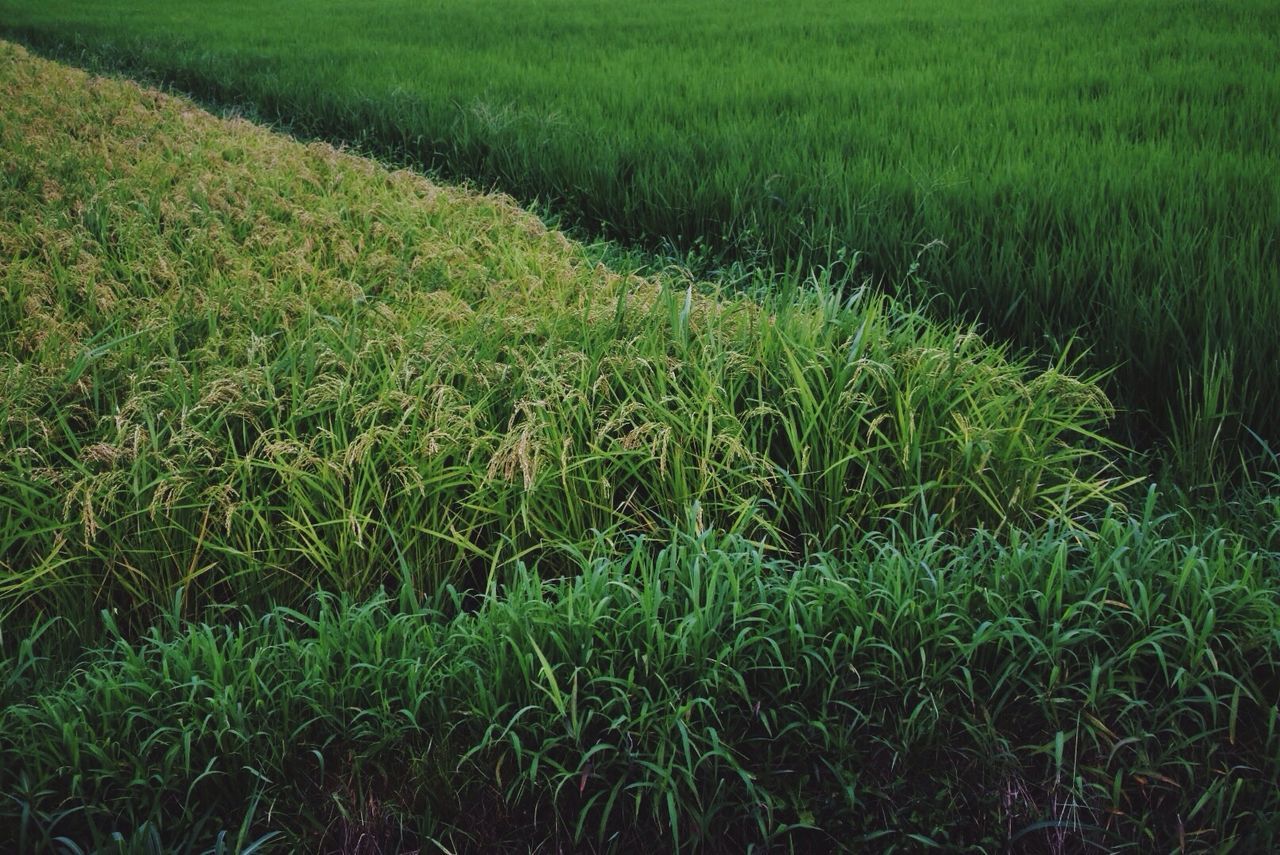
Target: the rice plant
pixel 341 510
pixel 242 367
pixel 1104 170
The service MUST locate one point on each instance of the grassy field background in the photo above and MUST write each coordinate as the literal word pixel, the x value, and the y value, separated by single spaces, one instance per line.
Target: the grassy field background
pixel 1101 168
pixel 343 511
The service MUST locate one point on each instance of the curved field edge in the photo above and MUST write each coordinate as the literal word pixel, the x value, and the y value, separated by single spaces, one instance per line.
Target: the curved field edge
pixel 1056 692
pixel 1098 169
pixel 247 367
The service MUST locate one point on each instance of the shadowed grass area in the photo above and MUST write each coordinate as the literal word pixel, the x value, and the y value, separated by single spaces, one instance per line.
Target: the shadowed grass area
pixel 1102 167
pixel 246 367
pixel 1060 692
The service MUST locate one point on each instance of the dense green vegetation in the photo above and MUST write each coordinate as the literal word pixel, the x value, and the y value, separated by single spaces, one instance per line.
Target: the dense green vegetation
pixel 1114 689
pixel 1101 167
pixel 343 511
pixel 232 363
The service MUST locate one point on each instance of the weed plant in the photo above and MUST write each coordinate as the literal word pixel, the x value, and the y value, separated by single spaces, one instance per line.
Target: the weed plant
pixel 1060 692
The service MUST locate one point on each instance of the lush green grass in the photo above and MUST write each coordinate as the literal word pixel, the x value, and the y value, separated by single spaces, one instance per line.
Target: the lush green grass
pixel 1060 693
pixel 613 560
pixel 238 364
pixel 1102 166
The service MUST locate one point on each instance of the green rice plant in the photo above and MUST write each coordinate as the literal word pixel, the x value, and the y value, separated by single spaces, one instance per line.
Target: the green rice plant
pixel 1197 438
pixel 1094 169
pixel 612 560
pixel 244 368
pixel 1110 689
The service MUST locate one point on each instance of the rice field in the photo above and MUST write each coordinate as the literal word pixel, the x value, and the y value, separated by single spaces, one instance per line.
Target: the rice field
pixel 344 509
pixel 234 361
pixel 1103 172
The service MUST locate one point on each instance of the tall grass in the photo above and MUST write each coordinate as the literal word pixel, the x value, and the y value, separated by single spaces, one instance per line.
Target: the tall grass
pixel 1107 168
pixel 340 510
pixel 244 368
pixel 1057 693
